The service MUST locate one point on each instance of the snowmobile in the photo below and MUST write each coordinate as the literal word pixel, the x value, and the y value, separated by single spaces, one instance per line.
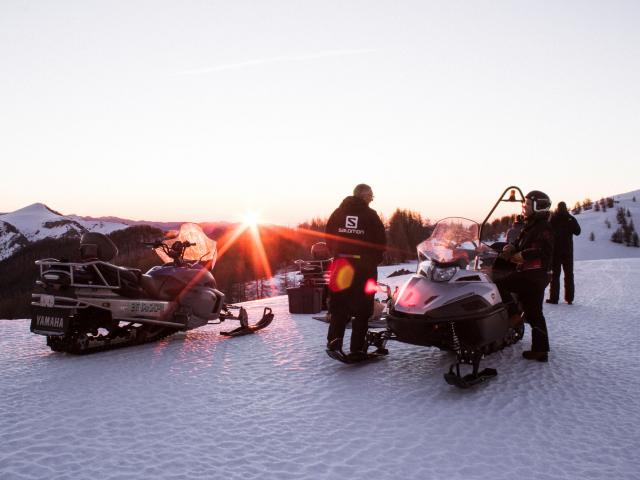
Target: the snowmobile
pixel 93 304
pixel 452 302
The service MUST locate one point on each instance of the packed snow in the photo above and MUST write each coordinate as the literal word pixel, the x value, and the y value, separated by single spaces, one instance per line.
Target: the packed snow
pixel 274 406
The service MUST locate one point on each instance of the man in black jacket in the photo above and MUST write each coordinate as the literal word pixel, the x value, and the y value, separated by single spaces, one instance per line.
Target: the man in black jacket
pixel 564 226
pixel 531 255
pixel 357 240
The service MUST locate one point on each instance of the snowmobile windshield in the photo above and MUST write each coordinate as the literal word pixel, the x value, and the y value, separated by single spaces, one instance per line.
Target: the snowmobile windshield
pixel 453 241
pixel 204 249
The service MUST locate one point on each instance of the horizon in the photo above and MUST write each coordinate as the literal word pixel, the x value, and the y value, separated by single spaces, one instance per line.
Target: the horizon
pixel 208 111
pixel 505 211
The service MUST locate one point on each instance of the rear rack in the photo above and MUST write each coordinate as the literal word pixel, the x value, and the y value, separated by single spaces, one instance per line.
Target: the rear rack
pixel 77 269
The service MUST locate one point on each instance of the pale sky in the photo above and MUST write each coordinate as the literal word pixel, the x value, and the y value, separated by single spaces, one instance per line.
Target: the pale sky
pixel 202 110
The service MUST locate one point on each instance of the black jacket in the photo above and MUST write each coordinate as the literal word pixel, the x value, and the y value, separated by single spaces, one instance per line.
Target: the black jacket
pixel 564 226
pixel 535 243
pixel 361 229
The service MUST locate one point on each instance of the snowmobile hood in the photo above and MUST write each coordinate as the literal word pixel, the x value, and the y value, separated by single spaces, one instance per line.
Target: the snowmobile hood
pixel 420 295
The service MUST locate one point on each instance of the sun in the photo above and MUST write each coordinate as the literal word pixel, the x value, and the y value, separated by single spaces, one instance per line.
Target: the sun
pixel 251 219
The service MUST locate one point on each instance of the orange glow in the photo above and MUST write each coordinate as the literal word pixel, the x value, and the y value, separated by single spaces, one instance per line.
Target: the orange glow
pixel 262 254
pixel 294 234
pixel 229 238
pixel 342 273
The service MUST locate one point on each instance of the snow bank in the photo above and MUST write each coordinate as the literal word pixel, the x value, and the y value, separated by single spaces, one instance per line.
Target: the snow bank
pixel 274 406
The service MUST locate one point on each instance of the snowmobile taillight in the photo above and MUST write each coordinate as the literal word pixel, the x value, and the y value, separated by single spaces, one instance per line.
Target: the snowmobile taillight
pixel 371 287
pixel 443 274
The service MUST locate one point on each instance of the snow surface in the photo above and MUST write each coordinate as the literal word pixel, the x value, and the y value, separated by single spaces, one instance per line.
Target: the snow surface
pixel 274 406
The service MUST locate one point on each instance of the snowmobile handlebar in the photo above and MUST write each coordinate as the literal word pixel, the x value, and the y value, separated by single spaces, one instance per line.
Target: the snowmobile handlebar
pixel 174 251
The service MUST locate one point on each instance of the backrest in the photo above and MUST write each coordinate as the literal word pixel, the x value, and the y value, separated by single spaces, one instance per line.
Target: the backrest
pixel 320 251
pixel 95 245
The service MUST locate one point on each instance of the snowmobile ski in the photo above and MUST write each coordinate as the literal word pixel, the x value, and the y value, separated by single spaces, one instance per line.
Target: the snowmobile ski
pixel 351 358
pixel 454 378
pixel 245 328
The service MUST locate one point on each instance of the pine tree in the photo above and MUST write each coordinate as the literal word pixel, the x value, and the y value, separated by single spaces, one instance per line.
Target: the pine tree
pixel 596 207
pixel 592 237
pixel 617 236
pixel 628 213
pixel 577 208
pixel 634 240
pixel 634 198
pixel 610 202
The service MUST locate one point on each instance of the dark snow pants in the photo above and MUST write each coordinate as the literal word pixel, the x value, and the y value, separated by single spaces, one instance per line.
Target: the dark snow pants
pixel 529 286
pixel 353 304
pixel 564 262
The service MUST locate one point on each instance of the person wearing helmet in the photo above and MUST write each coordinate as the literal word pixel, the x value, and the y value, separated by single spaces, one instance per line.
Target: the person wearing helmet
pixel 531 255
pixel 357 240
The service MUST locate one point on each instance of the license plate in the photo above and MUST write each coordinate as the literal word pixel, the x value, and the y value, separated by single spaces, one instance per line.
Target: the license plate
pixel 49 321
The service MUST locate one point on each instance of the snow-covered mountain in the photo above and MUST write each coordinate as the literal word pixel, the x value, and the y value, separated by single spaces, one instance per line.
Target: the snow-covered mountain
pixel 11 240
pixel 37 222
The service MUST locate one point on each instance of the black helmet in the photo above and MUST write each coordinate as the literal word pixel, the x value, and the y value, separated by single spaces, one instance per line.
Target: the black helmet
pixel 540 200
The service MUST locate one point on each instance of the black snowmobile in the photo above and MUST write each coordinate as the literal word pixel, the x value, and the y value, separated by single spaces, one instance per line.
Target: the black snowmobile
pixel 452 302
pixel 92 304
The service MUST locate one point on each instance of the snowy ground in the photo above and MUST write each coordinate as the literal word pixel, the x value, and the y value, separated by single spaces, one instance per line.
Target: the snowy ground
pixel 274 406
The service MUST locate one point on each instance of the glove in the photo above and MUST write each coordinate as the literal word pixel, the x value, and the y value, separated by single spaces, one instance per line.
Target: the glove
pixel 517 258
pixel 507 251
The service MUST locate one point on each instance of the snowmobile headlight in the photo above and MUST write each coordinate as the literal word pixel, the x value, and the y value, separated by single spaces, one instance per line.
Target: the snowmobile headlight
pixel 443 274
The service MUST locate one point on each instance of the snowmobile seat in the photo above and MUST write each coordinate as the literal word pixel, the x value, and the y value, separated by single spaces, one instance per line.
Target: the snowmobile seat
pixel 129 279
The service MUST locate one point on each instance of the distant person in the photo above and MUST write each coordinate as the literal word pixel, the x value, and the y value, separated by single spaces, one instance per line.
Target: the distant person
pixel 357 240
pixel 516 228
pixel 532 254
pixel 564 226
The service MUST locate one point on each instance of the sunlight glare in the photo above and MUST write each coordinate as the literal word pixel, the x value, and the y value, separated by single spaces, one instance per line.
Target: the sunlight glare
pixel 251 219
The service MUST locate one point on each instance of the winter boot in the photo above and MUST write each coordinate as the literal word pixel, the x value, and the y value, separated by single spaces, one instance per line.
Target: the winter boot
pixel 357 356
pixel 539 356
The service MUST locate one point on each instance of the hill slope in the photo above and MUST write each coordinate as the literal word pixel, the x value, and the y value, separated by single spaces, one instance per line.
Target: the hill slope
pixel 602 246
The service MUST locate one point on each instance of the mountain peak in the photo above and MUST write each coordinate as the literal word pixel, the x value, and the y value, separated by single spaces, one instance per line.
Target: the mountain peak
pixel 37 208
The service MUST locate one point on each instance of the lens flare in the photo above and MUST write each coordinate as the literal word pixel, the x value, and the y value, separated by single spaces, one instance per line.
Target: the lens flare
pixel 342 273
pixel 371 287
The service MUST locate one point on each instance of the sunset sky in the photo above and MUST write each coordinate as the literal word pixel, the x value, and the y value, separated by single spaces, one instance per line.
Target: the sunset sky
pixel 203 110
